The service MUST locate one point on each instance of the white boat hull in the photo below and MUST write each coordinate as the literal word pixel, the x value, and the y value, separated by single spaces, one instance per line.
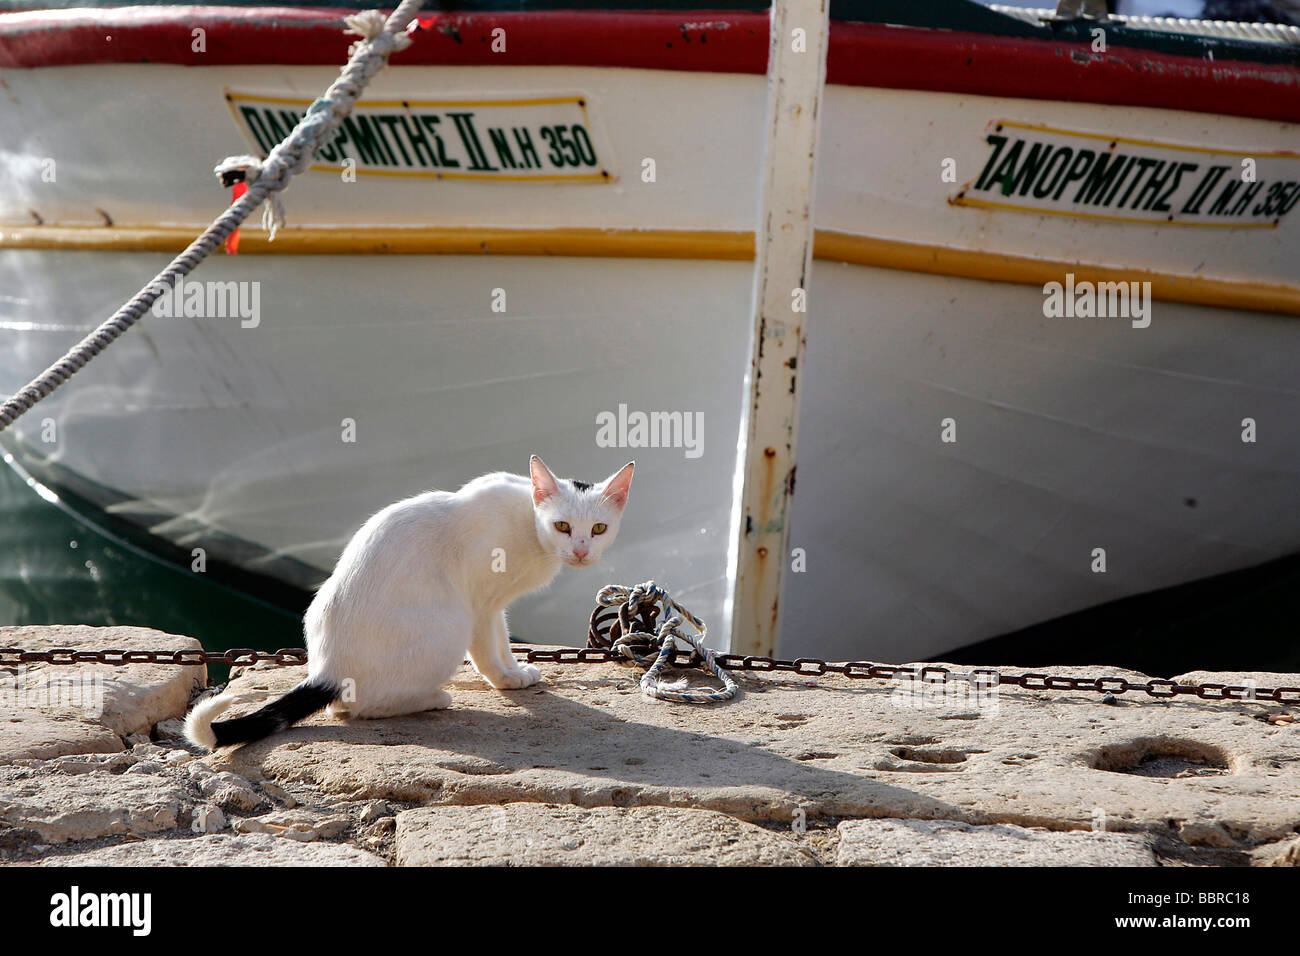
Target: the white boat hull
pixel 1071 434
pixel 211 430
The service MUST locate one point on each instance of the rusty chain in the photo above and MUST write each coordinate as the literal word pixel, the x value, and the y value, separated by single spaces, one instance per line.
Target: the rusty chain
pixel 867 670
pixel 236 657
pixel 802 667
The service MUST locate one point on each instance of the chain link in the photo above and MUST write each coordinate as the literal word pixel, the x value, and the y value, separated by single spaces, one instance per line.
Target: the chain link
pixel 933 674
pixel 236 657
pixel 803 666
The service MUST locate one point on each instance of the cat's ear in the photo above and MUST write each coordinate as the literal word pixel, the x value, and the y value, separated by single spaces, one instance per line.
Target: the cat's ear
pixel 543 481
pixel 616 486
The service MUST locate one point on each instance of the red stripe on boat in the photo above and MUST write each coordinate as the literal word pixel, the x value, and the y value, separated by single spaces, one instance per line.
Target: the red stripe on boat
pixel 861 54
pixel 704 40
pixel 867 54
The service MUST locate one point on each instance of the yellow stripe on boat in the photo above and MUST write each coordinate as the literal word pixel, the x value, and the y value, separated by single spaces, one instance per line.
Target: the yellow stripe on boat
pixel 1026 270
pixel 365 241
pixel 731 245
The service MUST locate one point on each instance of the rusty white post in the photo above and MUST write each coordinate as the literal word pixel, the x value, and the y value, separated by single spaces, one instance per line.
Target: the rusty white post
pixel 760 520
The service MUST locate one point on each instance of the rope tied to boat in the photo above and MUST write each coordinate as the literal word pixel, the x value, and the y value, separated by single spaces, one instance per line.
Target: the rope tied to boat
pixel 380 38
pixel 293 155
pixel 248 169
pixel 632 632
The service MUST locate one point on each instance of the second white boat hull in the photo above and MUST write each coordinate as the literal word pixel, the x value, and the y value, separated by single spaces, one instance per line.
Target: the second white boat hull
pixel 1071 434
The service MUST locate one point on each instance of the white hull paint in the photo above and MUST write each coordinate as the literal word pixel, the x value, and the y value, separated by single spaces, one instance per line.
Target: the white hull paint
pixel 239 431
pixel 1072 434
pixel 707 148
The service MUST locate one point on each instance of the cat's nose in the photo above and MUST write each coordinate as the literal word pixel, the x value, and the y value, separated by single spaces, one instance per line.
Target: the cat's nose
pixel 580 553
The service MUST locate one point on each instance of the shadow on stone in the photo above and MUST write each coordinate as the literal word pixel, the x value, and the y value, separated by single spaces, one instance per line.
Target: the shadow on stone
pixel 548 748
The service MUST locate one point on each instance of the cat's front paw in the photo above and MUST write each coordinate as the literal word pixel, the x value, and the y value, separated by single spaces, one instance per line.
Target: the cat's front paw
pixel 525 675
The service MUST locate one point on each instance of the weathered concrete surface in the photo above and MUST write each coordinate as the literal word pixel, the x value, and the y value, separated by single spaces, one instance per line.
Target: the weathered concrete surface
pixel 84 803
pixel 221 849
pixel 231 793
pixel 590 771
pixel 59 807
pixel 88 717
pixel 305 826
pixel 1286 853
pixel 531 834
pixel 946 843
pixel 1209 775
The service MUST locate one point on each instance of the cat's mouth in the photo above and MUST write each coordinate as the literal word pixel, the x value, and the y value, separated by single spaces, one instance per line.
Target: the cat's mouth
pixel 576 562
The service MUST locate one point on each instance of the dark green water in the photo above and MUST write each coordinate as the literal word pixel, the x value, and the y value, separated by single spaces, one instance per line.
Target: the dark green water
pixel 54 569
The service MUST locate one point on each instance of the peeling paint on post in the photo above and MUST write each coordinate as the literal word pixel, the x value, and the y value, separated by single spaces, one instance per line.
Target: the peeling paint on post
pixel 760 526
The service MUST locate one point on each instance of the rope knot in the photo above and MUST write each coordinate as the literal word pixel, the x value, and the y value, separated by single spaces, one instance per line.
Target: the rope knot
pixel 238 169
pixel 366 24
pixel 272 174
pixel 369 25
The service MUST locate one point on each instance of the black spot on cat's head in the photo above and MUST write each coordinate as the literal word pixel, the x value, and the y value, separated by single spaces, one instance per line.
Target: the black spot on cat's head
pixel 580 485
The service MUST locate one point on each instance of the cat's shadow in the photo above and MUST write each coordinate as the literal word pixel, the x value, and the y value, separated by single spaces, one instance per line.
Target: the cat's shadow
pixel 617 759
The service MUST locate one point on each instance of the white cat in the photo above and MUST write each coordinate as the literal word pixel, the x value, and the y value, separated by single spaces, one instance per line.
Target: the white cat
pixel 422 582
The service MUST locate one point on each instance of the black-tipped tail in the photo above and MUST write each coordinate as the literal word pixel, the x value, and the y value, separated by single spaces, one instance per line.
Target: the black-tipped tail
pixel 303 701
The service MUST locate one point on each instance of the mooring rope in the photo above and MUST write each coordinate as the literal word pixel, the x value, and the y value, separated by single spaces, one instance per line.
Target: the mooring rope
pixel 634 635
pixel 380 38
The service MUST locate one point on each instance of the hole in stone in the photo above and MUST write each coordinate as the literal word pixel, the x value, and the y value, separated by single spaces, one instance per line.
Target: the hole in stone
pixel 913 739
pixel 1164 757
pixel 929 756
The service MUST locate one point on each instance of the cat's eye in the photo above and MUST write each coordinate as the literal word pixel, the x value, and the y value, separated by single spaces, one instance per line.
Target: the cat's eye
pixel 562 527
pixel 599 528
